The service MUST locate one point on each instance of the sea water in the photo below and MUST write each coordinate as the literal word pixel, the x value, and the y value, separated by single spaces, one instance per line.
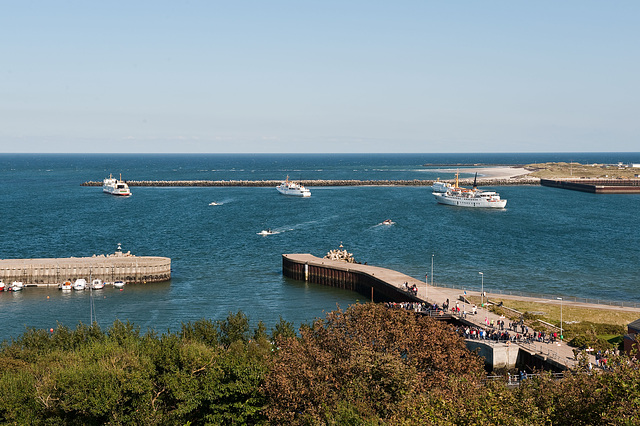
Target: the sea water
pixel 547 240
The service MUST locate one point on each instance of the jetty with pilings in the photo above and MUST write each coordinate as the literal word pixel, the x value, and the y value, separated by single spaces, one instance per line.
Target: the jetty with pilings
pixel 386 285
pixel 118 266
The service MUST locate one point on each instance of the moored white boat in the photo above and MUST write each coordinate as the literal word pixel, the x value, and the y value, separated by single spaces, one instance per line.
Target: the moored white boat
pixel 16 286
pixel 80 284
pixel 294 189
pixel 118 284
pixel 465 197
pixel 65 285
pixel 97 284
pixel 115 186
pixel 1 285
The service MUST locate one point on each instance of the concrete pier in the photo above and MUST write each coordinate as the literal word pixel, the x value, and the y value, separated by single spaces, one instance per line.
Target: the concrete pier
pixel 386 285
pixel 596 186
pixel 118 266
pixel 377 284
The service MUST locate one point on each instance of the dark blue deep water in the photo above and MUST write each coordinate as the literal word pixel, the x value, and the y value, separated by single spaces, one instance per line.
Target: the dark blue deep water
pixel 546 241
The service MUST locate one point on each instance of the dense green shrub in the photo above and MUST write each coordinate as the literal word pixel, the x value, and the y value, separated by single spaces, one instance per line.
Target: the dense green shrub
pixel 364 366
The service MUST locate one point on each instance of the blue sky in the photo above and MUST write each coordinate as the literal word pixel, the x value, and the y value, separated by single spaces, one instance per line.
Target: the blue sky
pixel 319 76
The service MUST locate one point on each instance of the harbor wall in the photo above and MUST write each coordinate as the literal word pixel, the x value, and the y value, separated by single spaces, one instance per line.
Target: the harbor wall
pixel 596 186
pixel 50 272
pixel 347 276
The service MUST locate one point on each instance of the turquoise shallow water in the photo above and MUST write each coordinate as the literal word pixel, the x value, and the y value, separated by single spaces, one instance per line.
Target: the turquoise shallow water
pixel 546 240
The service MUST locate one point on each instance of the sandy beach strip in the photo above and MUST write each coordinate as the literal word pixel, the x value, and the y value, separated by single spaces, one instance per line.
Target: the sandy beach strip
pixel 488 172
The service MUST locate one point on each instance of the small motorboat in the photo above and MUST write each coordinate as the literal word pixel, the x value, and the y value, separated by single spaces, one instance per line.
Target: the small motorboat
pixel 118 284
pixel 215 204
pixel 387 222
pixel 1 286
pixel 266 232
pixel 97 284
pixel 16 286
pixel 65 285
pixel 80 284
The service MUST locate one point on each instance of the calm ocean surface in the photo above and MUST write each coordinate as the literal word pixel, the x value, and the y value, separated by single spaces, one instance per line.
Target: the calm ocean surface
pixel 547 240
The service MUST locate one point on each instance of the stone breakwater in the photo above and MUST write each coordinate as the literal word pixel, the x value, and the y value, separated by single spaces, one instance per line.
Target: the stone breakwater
pixel 518 180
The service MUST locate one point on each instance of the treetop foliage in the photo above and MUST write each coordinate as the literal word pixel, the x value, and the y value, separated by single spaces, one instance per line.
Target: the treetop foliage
pixel 364 365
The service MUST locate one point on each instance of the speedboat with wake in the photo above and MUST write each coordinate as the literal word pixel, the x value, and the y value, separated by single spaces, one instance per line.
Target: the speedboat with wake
pixel 291 188
pixel 474 197
pixel 266 232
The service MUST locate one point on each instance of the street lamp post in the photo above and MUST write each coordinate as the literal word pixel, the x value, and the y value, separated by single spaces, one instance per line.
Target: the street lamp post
pixel 482 290
pixel 561 334
pixel 482 293
pixel 432 269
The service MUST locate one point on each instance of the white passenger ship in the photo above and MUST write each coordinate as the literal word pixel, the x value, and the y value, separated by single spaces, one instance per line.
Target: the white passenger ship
pixel 465 197
pixel 439 186
pixel 115 186
pixel 291 188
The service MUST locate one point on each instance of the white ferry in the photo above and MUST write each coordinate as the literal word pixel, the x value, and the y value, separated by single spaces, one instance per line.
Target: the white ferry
pixel 291 188
pixel 439 186
pixel 115 186
pixel 464 197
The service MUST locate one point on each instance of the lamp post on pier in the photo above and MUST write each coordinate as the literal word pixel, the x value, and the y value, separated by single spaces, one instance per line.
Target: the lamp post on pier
pixel 561 334
pixel 482 295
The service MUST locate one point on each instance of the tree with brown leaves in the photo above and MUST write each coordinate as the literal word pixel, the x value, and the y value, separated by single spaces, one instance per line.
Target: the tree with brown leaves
pixel 367 363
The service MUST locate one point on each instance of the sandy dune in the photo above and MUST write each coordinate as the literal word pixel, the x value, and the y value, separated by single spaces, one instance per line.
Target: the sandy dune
pixel 489 172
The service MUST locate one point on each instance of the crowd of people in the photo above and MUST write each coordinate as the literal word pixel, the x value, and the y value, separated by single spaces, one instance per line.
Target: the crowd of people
pixel 494 330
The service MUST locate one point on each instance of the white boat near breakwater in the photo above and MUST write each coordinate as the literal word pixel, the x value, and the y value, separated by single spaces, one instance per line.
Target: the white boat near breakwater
pixel 80 284
pixel 474 197
pixel 97 284
pixel 291 188
pixel 115 186
pixel 439 186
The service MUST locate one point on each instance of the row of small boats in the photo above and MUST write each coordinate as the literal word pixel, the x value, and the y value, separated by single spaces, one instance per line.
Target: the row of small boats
pixel 79 284
pixel 14 286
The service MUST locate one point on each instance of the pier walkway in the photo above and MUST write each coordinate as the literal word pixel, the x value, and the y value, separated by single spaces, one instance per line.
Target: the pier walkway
pixel 381 284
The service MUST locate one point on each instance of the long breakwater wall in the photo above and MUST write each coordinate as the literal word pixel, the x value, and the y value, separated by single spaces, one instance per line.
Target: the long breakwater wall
pixel 114 267
pixel 317 182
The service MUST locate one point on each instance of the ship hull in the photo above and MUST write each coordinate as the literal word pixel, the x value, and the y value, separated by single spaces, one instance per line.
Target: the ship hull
pixel 452 200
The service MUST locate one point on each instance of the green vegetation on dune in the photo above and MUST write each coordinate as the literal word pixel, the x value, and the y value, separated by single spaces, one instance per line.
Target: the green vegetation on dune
pixel 366 365
pixel 577 170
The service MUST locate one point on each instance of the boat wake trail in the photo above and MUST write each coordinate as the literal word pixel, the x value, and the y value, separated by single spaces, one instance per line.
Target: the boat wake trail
pixel 287 228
